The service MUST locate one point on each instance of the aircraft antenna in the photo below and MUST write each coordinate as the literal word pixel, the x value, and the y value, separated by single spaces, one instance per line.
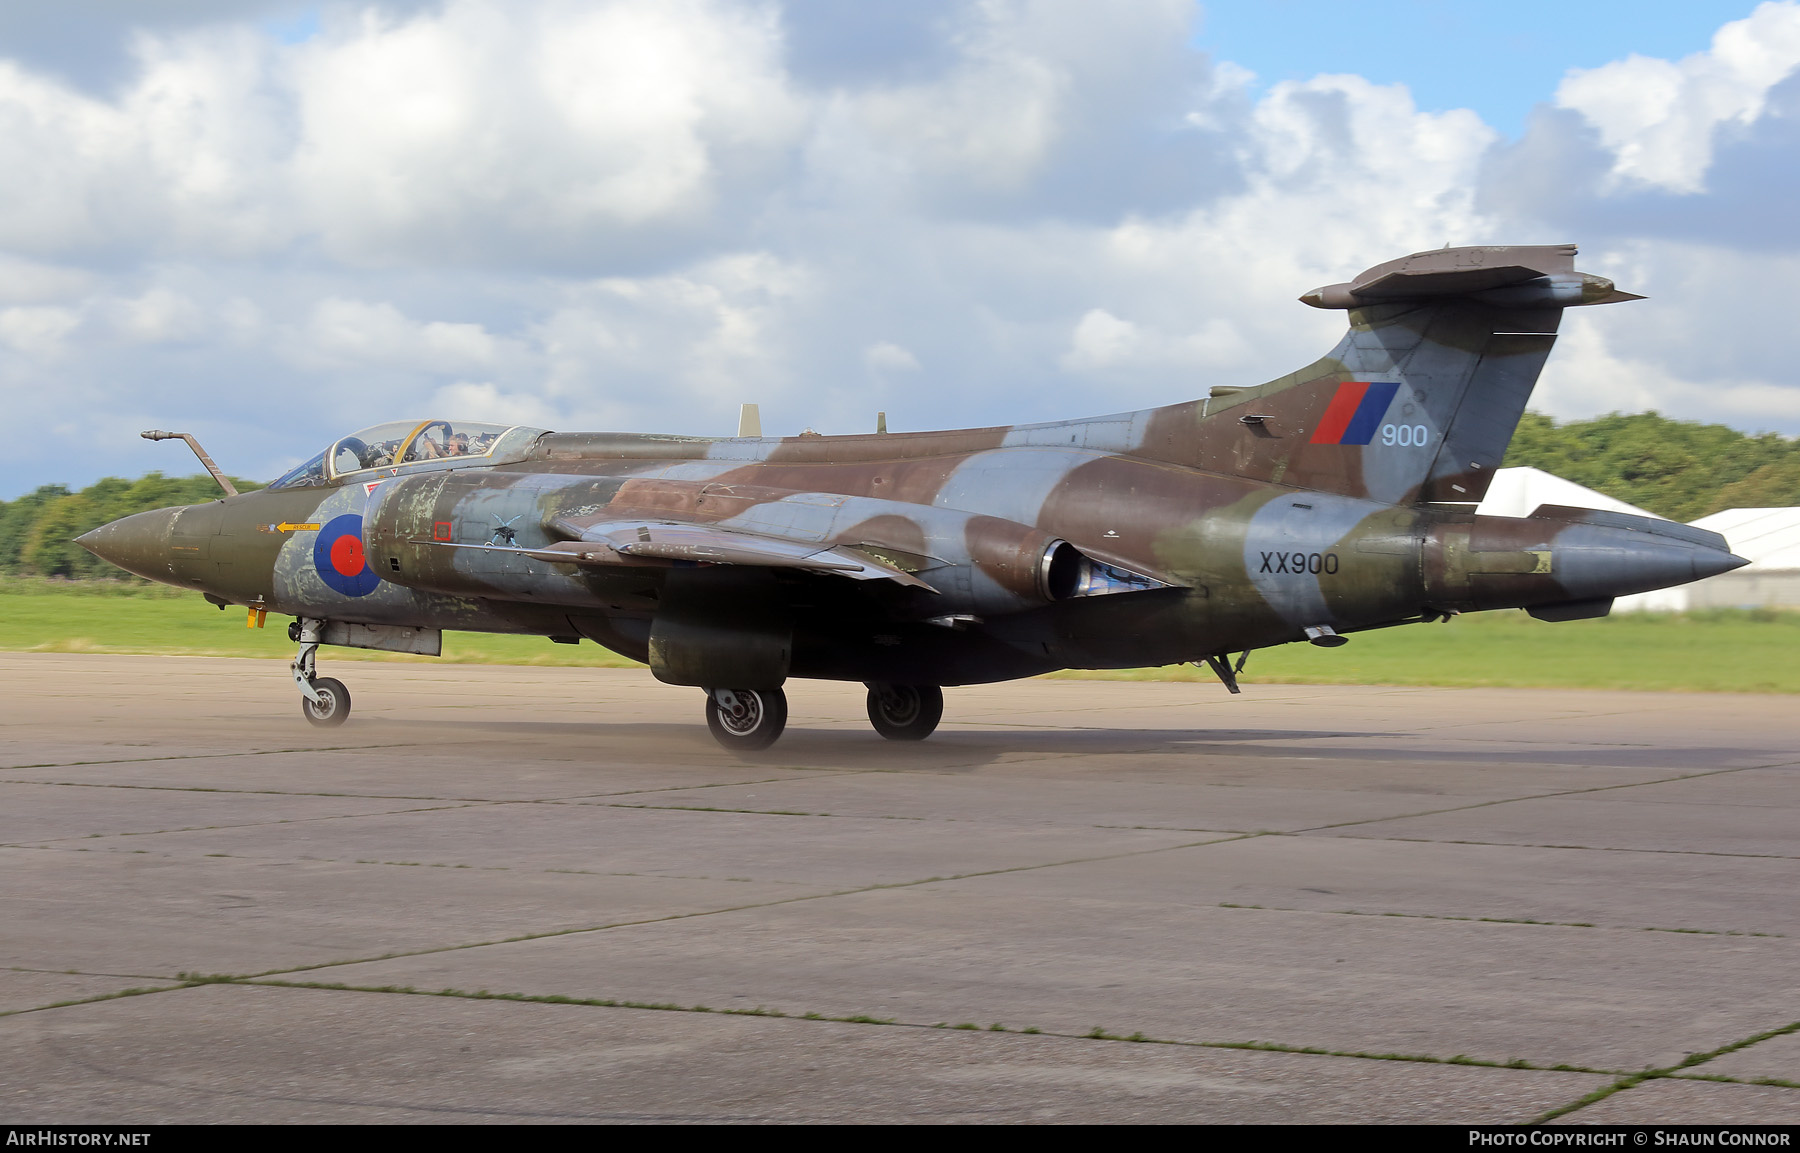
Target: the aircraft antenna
pixel 224 481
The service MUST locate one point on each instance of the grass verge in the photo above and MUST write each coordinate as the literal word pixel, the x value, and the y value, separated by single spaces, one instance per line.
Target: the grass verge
pixel 1726 650
pixel 1719 650
pixel 117 617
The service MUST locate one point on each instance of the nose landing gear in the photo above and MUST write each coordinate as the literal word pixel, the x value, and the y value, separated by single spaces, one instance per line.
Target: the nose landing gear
pixel 746 720
pixel 331 704
pixel 324 701
pixel 905 712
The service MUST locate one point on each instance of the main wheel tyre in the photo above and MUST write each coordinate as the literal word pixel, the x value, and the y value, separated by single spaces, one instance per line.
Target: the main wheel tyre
pixel 746 720
pixel 905 712
pixel 333 706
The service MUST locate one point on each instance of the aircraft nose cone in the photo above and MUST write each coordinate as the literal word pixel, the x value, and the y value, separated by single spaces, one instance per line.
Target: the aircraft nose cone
pixel 138 543
pixel 1712 562
pixel 1612 563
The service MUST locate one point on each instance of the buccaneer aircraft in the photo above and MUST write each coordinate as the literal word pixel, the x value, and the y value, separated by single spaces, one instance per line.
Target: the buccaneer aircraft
pixel 1335 499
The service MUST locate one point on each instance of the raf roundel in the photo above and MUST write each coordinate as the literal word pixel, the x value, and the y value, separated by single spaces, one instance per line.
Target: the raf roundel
pixel 338 557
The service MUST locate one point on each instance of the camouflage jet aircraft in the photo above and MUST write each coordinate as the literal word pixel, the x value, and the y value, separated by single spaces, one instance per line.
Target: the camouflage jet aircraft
pixel 1335 499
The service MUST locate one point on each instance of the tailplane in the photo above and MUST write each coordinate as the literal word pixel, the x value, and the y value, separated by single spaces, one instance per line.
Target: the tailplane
pixel 1420 399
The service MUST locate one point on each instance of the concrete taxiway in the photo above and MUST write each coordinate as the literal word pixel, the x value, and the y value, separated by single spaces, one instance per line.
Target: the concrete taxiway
pixel 1533 896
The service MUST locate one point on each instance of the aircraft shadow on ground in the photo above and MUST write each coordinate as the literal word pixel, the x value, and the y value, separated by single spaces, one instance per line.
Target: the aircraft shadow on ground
pixel 957 747
pixel 960 747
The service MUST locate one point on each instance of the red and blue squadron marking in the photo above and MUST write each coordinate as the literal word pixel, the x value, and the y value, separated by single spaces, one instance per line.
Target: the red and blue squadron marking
pixel 1355 412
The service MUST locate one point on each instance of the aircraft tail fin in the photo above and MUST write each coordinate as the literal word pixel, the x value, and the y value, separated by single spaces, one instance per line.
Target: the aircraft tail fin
pixel 1420 399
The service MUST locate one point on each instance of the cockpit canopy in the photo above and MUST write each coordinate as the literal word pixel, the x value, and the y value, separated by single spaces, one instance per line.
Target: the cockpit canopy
pixel 399 442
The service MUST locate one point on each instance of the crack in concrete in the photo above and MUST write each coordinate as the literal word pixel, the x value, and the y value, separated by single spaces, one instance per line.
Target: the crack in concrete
pixel 1633 1080
pixel 51 842
pixel 1581 848
pixel 195 980
pixel 1533 797
pixel 86 973
pixel 1625 1079
pixel 315 1099
pixel 201 756
pixel 860 889
pixel 1501 921
pixel 576 798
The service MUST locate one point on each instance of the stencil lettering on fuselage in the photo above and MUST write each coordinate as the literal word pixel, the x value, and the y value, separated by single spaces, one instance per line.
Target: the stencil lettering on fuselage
pixel 1402 444
pixel 1294 548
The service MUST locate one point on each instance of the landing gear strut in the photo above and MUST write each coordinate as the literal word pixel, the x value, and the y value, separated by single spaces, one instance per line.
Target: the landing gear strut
pixel 746 720
pixel 905 712
pixel 324 702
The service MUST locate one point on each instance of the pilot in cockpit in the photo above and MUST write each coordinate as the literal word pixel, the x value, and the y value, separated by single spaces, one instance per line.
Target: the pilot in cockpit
pixel 451 444
pixel 391 444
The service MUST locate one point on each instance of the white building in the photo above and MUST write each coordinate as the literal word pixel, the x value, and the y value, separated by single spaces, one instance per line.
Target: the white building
pixel 1769 538
pixel 1519 492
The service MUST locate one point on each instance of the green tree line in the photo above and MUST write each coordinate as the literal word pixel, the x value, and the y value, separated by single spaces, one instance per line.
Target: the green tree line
pixel 1674 468
pixel 38 530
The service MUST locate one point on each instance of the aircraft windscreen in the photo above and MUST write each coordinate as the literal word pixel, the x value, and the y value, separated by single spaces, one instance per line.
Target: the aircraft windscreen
pixel 440 440
pixel 373 447
pixel 308 475
pixel 396 442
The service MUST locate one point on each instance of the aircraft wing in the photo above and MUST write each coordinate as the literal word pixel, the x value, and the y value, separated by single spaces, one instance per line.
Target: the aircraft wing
pixel 637 542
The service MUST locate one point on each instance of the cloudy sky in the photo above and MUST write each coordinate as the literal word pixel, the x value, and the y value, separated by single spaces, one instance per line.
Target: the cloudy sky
pixel 272 223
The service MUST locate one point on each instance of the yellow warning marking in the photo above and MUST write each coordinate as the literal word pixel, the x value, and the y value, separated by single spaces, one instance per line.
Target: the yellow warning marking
pixel 286 526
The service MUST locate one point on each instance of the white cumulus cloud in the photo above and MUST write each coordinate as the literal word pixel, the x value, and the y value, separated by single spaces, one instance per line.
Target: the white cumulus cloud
pixel 38 332
pixel 508 132
pixel 160 315
pixel 1661 118
pixel 638 214
pixel 350 332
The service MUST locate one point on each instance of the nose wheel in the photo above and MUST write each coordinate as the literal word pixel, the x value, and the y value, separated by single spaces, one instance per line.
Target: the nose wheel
pixel 332 707
pixel 746 720
pixel 905 712
pixel 324 701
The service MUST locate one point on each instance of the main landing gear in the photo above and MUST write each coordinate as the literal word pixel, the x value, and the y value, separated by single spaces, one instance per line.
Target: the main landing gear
pixel 324 701
pixel 746 720
pixel 905 712
pixel 750 720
